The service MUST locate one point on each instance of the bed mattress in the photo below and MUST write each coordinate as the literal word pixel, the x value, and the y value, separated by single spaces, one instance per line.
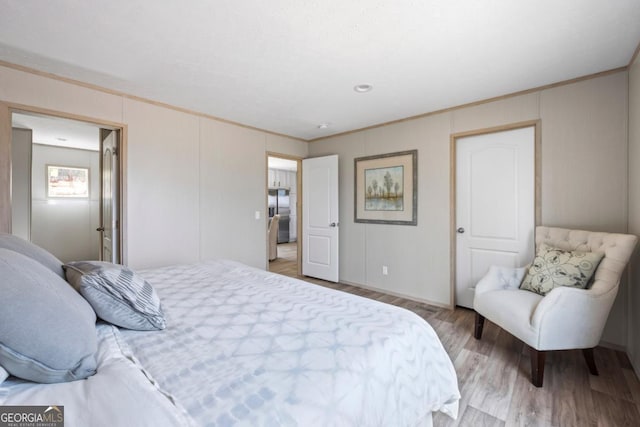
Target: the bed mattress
pixel 249 347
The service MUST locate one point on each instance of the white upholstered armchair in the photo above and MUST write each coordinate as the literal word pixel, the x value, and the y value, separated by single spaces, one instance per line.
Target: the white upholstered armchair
pixel 272 236
pixel 566 317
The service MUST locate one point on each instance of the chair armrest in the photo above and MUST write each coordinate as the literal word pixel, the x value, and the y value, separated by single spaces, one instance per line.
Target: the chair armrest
pixel 500 278
pixel 569 318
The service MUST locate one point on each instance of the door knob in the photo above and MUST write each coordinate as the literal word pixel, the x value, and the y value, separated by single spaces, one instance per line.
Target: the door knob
pixel 460 230
pixel 333 224
pixel 100 229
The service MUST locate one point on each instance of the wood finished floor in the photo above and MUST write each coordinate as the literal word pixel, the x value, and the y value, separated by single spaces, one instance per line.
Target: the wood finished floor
pixel 493 374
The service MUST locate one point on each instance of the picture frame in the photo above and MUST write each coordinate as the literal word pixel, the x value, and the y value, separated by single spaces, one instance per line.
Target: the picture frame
pixel 386 188
pixel 67 182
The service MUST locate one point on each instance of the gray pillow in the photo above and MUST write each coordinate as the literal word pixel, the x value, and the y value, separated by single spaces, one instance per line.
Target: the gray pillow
pixel 3 374
pixel 28 249
pixel 117 294
pixel 47 330
pixel 553 267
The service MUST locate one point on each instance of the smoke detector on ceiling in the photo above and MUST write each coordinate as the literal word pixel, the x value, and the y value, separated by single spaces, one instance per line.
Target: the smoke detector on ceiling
pixel 363 87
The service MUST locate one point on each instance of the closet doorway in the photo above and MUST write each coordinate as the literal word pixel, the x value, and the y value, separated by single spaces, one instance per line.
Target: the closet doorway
pixel 283 225
pixel 66 186
pixel 496 202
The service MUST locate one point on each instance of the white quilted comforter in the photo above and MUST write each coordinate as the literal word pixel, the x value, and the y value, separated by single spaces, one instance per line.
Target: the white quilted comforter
pixel 120 394
pixel 247 347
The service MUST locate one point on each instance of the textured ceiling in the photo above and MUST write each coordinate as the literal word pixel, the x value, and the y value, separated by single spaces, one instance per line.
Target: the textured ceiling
pixel 288 65
pixel 59 132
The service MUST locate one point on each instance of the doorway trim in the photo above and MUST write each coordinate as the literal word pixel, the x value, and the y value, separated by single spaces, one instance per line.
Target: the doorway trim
pixel 298 161
pixel 537 125
pixel 6 113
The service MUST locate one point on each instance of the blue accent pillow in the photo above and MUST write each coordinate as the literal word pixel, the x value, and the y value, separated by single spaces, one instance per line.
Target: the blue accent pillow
pixel 28 249
pixel 47 330
pixel 117 294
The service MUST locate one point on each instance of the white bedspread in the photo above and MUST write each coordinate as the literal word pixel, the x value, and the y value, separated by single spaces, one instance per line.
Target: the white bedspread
pixel 247 347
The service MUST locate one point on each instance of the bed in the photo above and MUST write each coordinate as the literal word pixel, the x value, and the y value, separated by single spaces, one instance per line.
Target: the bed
pixel 243 346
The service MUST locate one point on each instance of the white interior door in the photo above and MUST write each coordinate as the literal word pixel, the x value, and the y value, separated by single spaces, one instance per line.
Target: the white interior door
pixel 109 248
pixel 495 205
pixel 320 218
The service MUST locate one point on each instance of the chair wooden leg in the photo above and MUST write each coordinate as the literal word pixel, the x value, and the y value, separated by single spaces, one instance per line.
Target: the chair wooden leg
pixel 477 333
pixel 591 361
pixel 537 366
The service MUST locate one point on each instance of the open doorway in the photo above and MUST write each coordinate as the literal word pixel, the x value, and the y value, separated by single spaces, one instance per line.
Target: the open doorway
pixel 282 207
pixel 65 181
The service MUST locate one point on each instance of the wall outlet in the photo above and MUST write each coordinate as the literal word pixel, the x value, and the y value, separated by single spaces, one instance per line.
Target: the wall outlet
pixel 257 214
pixel 385 270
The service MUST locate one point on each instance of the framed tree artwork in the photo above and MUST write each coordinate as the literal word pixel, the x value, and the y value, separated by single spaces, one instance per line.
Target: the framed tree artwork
pixel 386 188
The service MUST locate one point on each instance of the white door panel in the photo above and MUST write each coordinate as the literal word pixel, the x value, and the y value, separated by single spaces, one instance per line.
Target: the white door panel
pixel 319 250
pixel 320 180
pixel 495 205
pixel 320 218
pixel 109 229
pixel 491 212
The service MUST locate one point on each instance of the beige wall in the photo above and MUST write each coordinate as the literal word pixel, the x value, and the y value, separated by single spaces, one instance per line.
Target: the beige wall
pixel 232 162
pixel 633 345
pixel 584 183
pixel 65 227
pixel 21 149
pixel 193 183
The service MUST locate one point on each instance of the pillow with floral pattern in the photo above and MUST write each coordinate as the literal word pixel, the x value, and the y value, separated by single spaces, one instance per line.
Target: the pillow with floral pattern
pixel 553 267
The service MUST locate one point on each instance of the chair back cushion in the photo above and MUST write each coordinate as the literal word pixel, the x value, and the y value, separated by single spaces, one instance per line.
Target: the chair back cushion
pixel 617 249
pixel 273 237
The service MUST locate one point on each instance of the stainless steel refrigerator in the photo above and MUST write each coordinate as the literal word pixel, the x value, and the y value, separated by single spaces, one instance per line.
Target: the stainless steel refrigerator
pixel 279 204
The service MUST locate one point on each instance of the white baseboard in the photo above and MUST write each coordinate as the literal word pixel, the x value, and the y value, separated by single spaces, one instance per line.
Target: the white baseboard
pixel 395 294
